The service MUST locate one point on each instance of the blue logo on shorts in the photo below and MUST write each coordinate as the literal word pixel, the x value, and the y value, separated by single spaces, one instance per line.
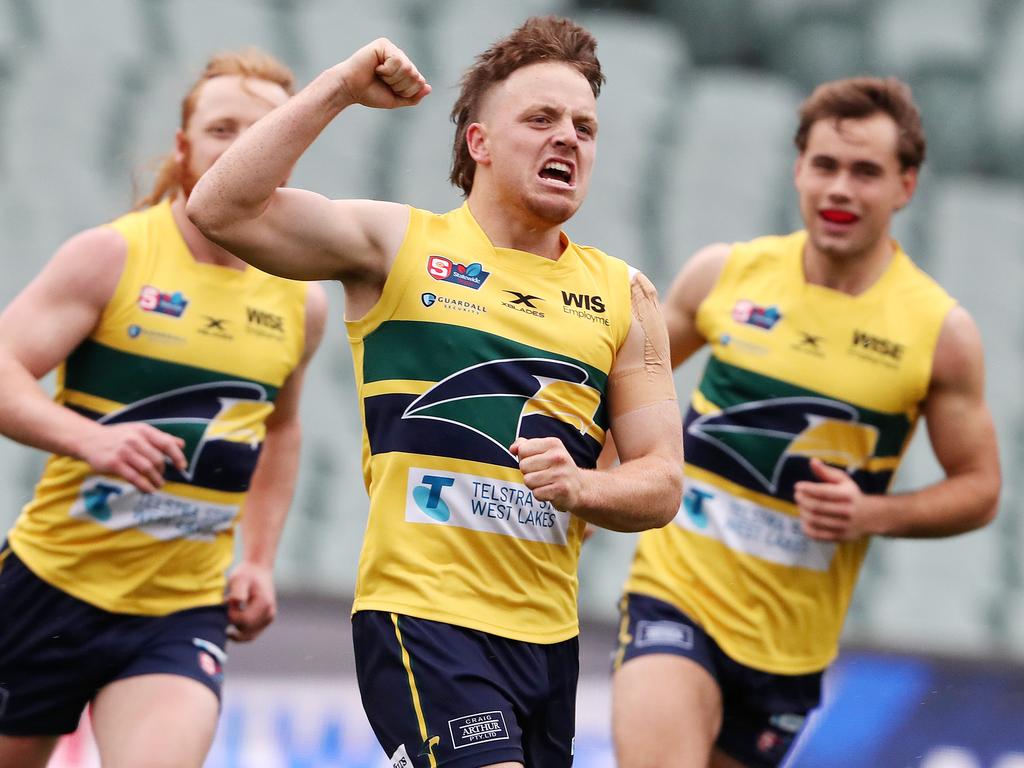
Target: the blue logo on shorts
pixel 96 500
pixel 428 497
pixel 428 299
pixel 693 502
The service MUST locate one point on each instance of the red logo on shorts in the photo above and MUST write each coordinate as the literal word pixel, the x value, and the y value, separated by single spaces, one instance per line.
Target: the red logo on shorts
pixel 208 664
pixel 767 741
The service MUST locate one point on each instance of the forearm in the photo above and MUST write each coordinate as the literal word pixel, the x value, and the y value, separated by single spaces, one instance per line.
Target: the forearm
pixel 634 496
pixel 29 416
pixel 270 494
pixel 242 182
pixel 952 506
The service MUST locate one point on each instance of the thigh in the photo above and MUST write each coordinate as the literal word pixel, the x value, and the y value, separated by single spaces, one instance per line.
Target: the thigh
pixel 666 701
pixel 50 660
pixel 666 711
pixel 154 721
pixel 432 693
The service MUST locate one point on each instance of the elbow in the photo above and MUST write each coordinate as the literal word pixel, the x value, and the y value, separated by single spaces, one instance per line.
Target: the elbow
pixel 670 496
pixel 988 496
pixel 213 215
pixel 989 507
pixel 202 214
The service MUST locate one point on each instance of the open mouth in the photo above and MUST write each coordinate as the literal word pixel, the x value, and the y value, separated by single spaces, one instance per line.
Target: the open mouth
pixel 557 171
pixel 834 216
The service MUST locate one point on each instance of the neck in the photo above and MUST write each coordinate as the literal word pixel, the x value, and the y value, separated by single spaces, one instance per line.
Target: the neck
pixel 847 273
pixel 203 250
pixel 518 232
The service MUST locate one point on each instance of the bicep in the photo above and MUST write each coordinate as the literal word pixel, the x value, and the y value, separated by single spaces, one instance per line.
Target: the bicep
pixel 303 235
pixel 959 422
pixel 62 304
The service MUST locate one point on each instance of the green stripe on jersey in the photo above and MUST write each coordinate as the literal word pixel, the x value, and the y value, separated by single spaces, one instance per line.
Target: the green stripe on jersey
pixel 417 351
pixel 123 377
pixel 726 385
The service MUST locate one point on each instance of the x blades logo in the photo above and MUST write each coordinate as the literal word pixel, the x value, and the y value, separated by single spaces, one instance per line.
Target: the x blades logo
pixel 215 326
pixel 524 298
pixel 523 302
pixel 810 344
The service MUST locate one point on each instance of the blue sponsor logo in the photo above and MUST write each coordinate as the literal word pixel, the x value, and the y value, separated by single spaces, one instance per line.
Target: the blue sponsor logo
pixel 428 299
pixel 749 313
pixel 428 497
pixel 134 331
pixel 152 299
pixel 97 500
pixel 693 503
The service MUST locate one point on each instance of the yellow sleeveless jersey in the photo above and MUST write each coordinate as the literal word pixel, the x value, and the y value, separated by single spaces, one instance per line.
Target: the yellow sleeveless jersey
pixel 199 351
pixel 470 347
pixel 796 371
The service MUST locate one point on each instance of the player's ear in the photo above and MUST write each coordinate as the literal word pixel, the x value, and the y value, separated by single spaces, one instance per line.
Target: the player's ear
pixel 476 143
pixel 180 146
pixel 908 183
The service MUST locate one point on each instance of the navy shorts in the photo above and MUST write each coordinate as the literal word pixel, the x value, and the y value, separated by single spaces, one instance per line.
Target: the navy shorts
pixel 762 712
pixel 57 652
pixel 440 695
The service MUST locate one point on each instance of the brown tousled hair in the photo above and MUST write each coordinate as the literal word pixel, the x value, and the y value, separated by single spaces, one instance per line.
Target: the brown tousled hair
pixel 859 97
pixel 249 63
pixel 539 39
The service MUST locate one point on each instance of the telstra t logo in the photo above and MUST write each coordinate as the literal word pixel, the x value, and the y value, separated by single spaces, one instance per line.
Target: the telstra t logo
pixel 428 497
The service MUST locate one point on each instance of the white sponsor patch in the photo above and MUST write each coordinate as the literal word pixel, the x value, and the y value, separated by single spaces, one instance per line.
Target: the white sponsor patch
pixel 788 723
pixel 482 504
pixel 119 506
pixel 401 758
pixel 750 528
pixel 670 633
pixel 478 729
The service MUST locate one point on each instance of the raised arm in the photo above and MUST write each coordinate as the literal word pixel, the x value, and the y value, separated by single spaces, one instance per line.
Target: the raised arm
pixel 644 490
pixel 38 330
pixel 963 437
pixel 240 202
pixel 251 597
pixel 691 286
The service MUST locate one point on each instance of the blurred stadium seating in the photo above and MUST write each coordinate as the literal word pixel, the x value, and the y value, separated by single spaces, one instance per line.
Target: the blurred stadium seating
pixel 697 117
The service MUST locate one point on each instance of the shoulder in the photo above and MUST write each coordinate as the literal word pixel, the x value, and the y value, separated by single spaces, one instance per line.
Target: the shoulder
pixel 707 264
pixel 698 276
pixel 768 248
pixel 959 354
pixel 92 261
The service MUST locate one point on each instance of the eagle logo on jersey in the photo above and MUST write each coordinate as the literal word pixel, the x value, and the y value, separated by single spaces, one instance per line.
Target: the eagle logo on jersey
pixel 503 400
pixel 222 424
pixel 762 436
